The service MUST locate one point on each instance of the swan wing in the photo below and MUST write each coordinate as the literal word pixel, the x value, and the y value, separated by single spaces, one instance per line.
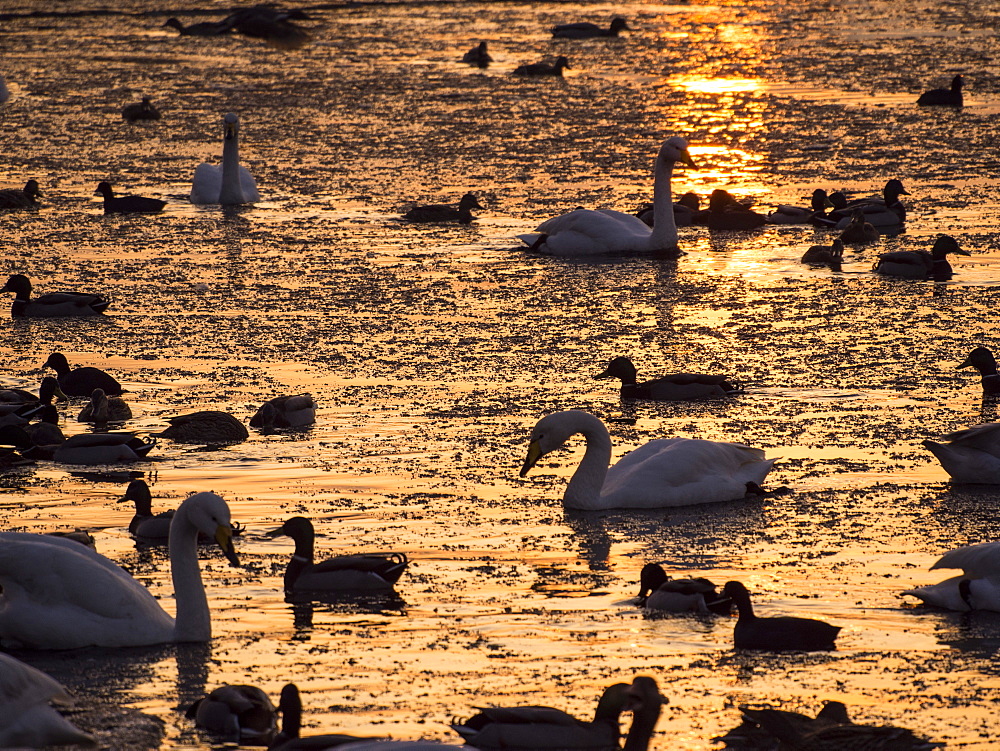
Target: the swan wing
pixel 586 232
pixel 984 437
pixel 977 561
pixel 26 718
pixel 207 184
pixel 966 463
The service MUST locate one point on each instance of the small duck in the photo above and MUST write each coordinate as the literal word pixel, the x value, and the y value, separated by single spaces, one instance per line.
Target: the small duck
pixel 478 56
pixel 442 212
pixel 543 68
pixel 53 304
pixel 951 97
pixel 103 409
pixel 203 29
pixel 971 455
pixel 102 448
pixel 290 708
pixel 81 381
pixel 143 110
pixel 668 388
pixel 798 215
pixel 684 211
pixel 344 572
pixel 208 427
pixel 859 232
pixel 784 633
pixel 821 255
pixel 724 212
pixel 976 588
pixel 285 412
pixel 921 264
pixel 127 204
pixel 659 592
pixel 983 360
pixel 884 211
pixel 243 715
pixel 24 198
pixel 587 30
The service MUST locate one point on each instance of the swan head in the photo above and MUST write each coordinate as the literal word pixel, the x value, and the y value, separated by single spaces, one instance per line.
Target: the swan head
pixel 675 149
pixel 231 126
pixel 551 432
pixel 210 515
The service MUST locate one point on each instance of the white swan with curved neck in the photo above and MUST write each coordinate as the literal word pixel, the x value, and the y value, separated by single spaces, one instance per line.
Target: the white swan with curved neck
pixel 58 594
pixel 231 183
pixel 664 472
pixel 586 232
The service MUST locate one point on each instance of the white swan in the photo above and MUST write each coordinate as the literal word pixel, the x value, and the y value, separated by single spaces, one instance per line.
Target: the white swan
pixel 231 183
pixel 58 594
pixel 586 232
pixel 973 455
pixel 27 719
pixel 664 472
pixel 978 587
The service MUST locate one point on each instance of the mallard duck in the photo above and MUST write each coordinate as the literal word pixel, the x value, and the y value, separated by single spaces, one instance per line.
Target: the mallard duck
pixel 127 204
pixel 27 718
pixel 46 432
pixel 478 56
pixel 102 448
pixel 150 527
pixel 859 232
pixel 207 426
pixel 587 30
pixel 240 714
pixel 543 68
pixel 14 400
pixel 798 215
pixel 821 255
pixel 921 264
pixel 781 634
pixel 58 594
pixel 53 304
pixel 285 412
pixel 978 586
pixel 971 455
pixel 290 709
pixel 684 210
pixel 81 381
pixel 343 572
pixel 103 408
pixel 662 473
pixel 26 198
pixel 586 232
pixel 753 732
pixel 657 591
pixel 724 212
pixel 230 183
pixel 950 97
pixel 143 110
pixel 203 29
pixel 673 387
pixel 884 211
pixel 982 360
pixel 442 212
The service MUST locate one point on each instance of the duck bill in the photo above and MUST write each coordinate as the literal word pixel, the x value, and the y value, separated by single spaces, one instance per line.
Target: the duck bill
pixel 534 454
pixel 959 251
pixel 966 363
pixel 224 536
pixel 276 532
pixel 604 374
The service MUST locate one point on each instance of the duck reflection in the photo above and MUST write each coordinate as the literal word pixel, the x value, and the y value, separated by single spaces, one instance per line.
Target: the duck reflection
pixel 304 607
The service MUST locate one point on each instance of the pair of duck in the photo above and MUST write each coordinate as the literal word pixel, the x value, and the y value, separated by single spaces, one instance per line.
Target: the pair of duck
pixel 262 21
pixel 908 264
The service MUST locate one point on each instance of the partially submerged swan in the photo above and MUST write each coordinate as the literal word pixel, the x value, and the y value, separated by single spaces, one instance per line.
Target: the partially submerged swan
pixel 230 183
pixel 27 717
pixel 976 588
pixel 971 455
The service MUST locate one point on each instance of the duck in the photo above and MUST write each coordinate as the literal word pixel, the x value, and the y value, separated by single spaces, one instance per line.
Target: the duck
pixel 53 304
pixel 285 412
pixel 46 431
pixel 668 388
pixel 48 389
pixel 983 360
pixel 143 110
pixel 20 198
pixel 102 448
pixel 273 25
pixel 822 255
pixel 785 214
pixel 228 184
pixel 127 204
pixel 58 594
pixel 103 409
pixel 724 212
pixel 27 717
pixel 950 97
pixel 858 232
pixel 369 571
pixel 207 426
pixel 442 212
pixel 585 232
pixel 81 381
pixel 685 209
pixel 587 30
pixel 976 588
pixel 921 264
pixel 780 634
pixel 290 709
pixel 238 714
pixel 838 201
pixel 657 591
pixel 756 730
pixel 971 455
pixel 478 56
pixel 543 68
pixel 663 473
pixel 150 527
pixel 203 29
pixel 884 211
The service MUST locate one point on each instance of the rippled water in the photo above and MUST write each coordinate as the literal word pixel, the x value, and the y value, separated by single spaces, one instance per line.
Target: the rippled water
pixel 433 349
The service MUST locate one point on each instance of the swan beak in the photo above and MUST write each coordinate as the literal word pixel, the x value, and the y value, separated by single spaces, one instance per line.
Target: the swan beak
pixel 230 131
pixel 534 454
pixel 224 536
pixel 686 159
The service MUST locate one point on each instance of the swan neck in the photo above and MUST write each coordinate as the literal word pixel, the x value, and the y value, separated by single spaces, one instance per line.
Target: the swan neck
pixel 193 622
pixel 231 192
pixel 641 730
pixel 664 227
pixel 584 489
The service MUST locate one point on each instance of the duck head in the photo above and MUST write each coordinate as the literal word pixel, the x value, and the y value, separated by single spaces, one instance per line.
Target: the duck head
pixel 619 367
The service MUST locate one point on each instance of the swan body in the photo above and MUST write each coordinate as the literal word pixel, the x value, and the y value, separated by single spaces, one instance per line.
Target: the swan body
pixel 20 198
pixel 658 592
pixel 102 448
pixel 285 412
pixel 441 212
pixel 238 714
pixel 921 264
pixel 127 204
pixel 478 56
pixel 543 69
pixel 662 473
pixel 81 381
pixel 143 110
pixel 950 97
pixel 208 427
pixel 982 360
pixel 673 387
pixel 821 255
pixel 103 408
pixel 587 30
pixel 798 215
pixel 586 232
pixel 977 588
pixel 53 304
pixel 784 633
pixel 58 594
pixel 230 184
pixel 971 455
pixel 27 718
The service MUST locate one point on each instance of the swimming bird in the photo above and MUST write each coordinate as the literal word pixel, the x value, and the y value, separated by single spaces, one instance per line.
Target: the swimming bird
pixel 290 709
pixel 921 264
pixel 950 97
pixel 673 387
pixel 783 633
pixel 103 409
pixel 543 68
pixel 478 56
pixel 786 214
pixel 753 732
pixel 20 198
pixel 274 25
pixel 207 426
pixel 127 204
pixel 587 30
pixel 150 527
pixel 48 389
pixel 685 209
pixel 586 232
pixel 27 717
pixel 81 381
pixel 657 591
pixel 879 211
pixel 285 412
pixel 442 212
pixel 724 212
pixel 143 110
pixel 858 232
pixel 977 587
pixel 202 29
pixel 238 714
pixel 53 304
pixel 102 448
pixel 364 571
pixel 58 594
pixel 46 431
pixel 821 255
pixel 230 183
pixel 971 455
pixel 983 360
pixel 661 473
